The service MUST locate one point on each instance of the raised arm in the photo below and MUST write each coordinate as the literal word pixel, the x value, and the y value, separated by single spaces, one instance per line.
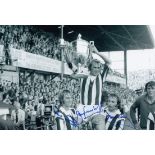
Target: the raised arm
pixel 93 49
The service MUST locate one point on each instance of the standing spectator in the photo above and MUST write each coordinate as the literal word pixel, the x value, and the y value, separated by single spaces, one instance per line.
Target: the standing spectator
pixel 18 116
pixel 40 107
pixel 40 112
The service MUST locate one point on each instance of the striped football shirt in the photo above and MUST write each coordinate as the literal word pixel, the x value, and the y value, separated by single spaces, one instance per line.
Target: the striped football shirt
pixel 65 119
pixel 114 120
pixel 91 88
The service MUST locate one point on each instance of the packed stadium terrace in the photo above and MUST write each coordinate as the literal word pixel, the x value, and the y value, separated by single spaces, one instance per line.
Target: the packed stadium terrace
pixel 37 88
pixel 30 39
pixel 137 79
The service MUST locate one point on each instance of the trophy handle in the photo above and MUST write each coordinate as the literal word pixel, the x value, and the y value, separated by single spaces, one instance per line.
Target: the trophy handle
pixel 90 57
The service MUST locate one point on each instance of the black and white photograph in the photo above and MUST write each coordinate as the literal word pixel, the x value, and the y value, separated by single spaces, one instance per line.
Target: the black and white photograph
pixel 77 77
pixel 70 71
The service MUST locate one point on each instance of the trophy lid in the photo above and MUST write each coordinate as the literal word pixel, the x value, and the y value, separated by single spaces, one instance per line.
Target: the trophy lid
pixel 79 36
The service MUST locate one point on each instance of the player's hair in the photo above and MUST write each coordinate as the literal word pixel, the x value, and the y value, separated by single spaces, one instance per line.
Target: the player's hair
pixel 62 94
pixel 93 61
pixel 118 100
pixel 150 83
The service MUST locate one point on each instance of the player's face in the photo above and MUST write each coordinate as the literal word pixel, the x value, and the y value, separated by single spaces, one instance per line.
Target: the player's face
pixel 112 103
pixel 95 68
pixel 67 100
pixel 151 91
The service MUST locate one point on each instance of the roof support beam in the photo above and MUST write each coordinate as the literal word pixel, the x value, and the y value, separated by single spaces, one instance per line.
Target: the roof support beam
pixel 130 36
pixel 119 36
pixel 111 37
pixel 125 67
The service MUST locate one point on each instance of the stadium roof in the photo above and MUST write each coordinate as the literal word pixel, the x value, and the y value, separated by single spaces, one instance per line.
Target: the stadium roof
pixel 108 37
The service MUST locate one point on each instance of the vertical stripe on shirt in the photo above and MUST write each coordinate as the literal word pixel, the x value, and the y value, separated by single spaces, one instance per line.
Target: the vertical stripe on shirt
pixel 118 124
pixel 97 91
pixel 83 90
pixel 94 92
pixel 106 119
pixel 86 91
pixel 100 88
pixel 68 125
pixel 90 92
pixel 113 121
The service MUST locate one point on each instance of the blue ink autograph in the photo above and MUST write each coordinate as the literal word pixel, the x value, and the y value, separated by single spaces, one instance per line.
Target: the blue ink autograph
pixel 96 110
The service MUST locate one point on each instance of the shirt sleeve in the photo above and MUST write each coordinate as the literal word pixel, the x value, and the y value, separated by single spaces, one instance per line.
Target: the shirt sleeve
pixel 133 111
pixel 104 72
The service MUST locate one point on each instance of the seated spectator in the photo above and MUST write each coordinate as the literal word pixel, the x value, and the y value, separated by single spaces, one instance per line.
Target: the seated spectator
pixel 39 113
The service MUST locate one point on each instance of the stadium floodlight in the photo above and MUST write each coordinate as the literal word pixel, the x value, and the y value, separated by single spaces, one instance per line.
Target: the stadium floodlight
pixel 62 45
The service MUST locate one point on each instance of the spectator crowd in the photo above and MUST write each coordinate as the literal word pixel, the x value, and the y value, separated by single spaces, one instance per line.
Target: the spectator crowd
pixel 30 39
pixel 137 79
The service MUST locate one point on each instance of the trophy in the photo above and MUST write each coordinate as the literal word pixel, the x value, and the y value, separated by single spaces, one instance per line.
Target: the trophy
pixel 78 55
